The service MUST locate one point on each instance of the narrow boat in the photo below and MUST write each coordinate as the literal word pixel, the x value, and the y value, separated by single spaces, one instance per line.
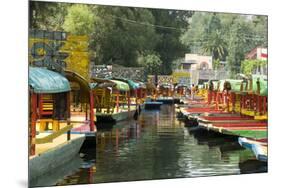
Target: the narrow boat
pixel 258 147
pixel 113 101
pixel 152 105
pixel 50 122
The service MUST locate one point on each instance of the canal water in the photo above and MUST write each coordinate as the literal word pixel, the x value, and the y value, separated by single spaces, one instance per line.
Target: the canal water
pixel 159 146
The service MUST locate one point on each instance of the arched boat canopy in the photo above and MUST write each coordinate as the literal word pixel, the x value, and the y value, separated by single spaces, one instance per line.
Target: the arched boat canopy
pixel 42 80
pixel 122 86
pixel 102 83
pixel 132 84
pixel 84 86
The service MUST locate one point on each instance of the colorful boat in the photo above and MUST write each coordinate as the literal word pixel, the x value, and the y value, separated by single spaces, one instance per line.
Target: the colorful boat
pixel 50 124
pixel 113 100
pixel 258 147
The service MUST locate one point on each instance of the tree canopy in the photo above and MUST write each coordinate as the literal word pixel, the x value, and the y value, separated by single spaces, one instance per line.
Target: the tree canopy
pixel 124 35
pixel 225 36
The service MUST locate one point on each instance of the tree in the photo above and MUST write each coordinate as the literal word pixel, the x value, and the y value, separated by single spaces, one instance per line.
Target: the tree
pixel 121 33
pixel 169 46
pixel 46 15
pixel 151 62
pixel 225 36
pixel 79 20
pixel 248 66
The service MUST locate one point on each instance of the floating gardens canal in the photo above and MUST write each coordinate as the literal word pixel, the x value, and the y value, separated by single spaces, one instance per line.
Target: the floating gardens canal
pixel 72 113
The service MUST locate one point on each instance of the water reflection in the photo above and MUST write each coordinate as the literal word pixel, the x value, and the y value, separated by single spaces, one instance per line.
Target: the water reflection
pixel 159 146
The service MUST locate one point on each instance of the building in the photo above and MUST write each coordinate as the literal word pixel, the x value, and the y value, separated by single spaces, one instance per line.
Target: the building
pixel 258 53
pixel 197 62
pixel 197 69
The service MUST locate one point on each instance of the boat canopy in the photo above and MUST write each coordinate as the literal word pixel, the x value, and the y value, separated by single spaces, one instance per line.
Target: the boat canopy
pixel 93 85
pixel 263 84
pixel 235 84
pixel 42 80
pixel 132 84
pixel 181 85
pixel 78 82
pixel 120 85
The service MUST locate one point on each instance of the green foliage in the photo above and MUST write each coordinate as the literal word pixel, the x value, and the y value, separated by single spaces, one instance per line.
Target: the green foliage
pixel 248 66
pixel 225 36
pixel 79 20
pixel 121 34
pixel 169 46
pixel 176 63
pixel 151 62
pixel 47 16
pixel 216 63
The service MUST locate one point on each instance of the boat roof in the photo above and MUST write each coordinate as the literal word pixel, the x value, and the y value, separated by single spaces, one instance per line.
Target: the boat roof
pixel 120 85
pixel 42 80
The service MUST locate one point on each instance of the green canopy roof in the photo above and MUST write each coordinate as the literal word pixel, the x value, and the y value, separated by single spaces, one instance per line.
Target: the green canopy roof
pixel 263 84
pixel 133 85
pixel 122 86
pixel 235 84
pixel 45 81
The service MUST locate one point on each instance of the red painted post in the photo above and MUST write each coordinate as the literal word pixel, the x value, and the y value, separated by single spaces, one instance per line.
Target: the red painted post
pixel 68 113
pixel 40 98
pixel 209 97
pixel 241 103
pixel 92 123
pixel 265 104
pixel 117 101
pixel 90 175
pixel 227 101
pixel 217 101
pixel 129 101
pixel 260 104
pixel 233 98
pixel 33 122
pixel 86 111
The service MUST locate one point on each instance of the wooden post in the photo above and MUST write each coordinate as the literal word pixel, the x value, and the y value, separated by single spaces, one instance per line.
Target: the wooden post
pixel 86 111
pixel 241 103
pixel 33 122
pixel 265 104
pixel 233 98
pixel 227 101
pixel 40 98
pixel 217 101
pixel 129 100
pixel 117 101
pixel 68 113
pixel 92 123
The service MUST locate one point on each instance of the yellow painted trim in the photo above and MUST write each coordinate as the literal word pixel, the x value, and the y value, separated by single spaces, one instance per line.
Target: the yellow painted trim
pixel 54 135
pixel 264 117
